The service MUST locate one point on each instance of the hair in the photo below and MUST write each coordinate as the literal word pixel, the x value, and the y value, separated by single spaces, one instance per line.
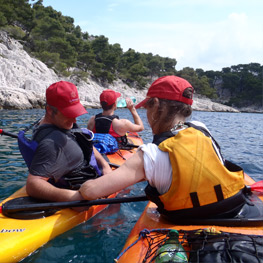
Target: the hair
pixel 105 105
pixel 169 108
pixel 53 109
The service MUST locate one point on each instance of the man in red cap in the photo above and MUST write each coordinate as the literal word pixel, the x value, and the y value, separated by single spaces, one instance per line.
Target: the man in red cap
pixel 107 122
pixel 62 153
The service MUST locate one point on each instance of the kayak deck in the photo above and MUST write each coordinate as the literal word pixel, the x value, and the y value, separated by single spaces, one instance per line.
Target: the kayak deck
pixel 20 237
pixel 137 244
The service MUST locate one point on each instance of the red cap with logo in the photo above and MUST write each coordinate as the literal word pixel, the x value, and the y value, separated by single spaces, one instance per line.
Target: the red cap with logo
pixel 109 96
pixel 64 96
pixel 170 88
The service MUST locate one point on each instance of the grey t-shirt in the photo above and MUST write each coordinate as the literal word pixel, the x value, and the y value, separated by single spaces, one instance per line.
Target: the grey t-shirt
pixel 57 153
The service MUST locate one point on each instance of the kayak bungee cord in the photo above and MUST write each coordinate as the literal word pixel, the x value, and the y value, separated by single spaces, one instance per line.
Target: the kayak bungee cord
pixel 200 245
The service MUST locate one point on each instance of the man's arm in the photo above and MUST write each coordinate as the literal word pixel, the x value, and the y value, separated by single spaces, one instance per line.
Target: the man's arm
pixel 39 187
pixel 102 162
pixel 122 126
pixel 91 123
pixel 131 172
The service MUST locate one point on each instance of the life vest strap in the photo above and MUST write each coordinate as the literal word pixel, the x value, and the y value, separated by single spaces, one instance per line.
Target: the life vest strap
pixel 195 199
pixel 219 192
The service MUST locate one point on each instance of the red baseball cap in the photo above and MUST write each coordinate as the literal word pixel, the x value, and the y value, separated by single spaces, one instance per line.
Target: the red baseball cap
pixel 64 96
pixel 109 96
pixel 168 87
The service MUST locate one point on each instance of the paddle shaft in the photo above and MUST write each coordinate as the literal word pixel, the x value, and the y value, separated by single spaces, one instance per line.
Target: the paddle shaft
pixel 61 205
pixel 132 145
pixel 2 132
pixel 113 165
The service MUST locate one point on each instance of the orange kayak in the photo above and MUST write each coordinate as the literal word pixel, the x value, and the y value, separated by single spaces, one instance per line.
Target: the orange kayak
pixel 151 231
pixel 20 237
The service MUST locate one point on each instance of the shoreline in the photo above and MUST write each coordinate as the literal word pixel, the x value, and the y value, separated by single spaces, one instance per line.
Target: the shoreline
pixel 99 107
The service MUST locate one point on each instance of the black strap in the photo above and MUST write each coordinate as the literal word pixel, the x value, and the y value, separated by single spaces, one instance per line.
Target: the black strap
pixel 195 200
pixel 43 130
pixel 219 192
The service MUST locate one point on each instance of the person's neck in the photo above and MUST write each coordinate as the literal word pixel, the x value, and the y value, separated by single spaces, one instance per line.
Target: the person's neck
pixel 45 120
pixel 158 129
pixel 108 112
pixel 177 121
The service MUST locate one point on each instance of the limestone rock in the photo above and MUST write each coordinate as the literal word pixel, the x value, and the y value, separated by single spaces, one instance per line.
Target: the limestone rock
pixel 24 79
pixel 205 104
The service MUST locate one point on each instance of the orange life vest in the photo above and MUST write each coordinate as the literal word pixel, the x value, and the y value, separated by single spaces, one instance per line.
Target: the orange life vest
pixel 199 178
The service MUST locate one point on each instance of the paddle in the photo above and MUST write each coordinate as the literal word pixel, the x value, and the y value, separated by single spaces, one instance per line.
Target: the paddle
pixel 2 132
pixel 257 187
pixel 130 145
pixel 12 208
pixel 113 165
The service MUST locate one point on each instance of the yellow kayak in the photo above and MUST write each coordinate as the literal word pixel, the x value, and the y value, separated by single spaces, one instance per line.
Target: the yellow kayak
pixel 20 237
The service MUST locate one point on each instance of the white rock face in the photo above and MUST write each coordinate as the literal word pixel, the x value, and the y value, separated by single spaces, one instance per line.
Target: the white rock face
pixel 205 104
pixel 24 79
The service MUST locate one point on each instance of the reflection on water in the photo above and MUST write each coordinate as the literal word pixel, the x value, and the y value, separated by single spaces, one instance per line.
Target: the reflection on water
pixel 102 238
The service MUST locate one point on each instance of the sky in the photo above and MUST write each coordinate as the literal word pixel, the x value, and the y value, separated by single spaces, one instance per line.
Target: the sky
pixel 206 34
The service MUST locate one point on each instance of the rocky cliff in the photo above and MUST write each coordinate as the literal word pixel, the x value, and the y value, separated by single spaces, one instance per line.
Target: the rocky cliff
pixel 24 79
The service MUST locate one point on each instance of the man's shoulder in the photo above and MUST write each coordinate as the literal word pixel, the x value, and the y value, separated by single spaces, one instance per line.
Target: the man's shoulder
pixel 92 118
pixel 42 131
pixel 120 122
pixel 50 132
pixel 121 126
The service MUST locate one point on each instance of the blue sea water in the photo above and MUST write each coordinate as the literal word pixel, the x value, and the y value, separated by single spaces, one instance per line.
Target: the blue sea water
pixel 102 238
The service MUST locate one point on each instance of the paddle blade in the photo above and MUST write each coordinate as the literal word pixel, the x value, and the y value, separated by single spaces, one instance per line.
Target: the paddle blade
pixel 257 187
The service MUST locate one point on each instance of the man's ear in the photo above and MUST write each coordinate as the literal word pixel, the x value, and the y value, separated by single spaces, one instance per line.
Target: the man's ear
pixel 49 110
pixel 156 103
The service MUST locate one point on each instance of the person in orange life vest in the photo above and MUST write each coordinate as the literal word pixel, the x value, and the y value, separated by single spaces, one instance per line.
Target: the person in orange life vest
pixel 107 122
pixel 185 170
pixel 58 154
